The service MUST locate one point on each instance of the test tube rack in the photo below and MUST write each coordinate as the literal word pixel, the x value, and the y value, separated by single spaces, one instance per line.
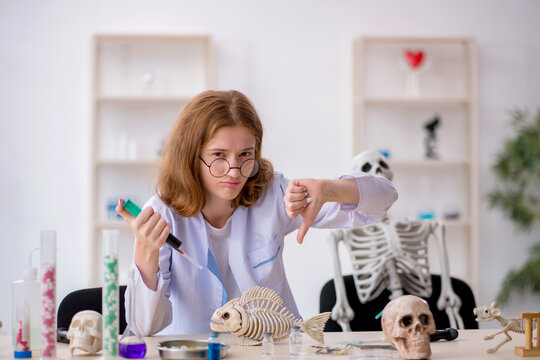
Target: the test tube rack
pixel 530 318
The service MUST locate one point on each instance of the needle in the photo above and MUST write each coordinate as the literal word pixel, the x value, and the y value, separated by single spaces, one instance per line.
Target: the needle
pixel 191 260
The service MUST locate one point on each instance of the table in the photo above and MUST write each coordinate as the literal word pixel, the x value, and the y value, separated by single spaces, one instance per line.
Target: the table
pixel 469 345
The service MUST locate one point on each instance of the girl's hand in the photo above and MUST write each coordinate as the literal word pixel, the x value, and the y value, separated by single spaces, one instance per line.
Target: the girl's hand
pixel 304 197
pixel 150 229
pixel 151 232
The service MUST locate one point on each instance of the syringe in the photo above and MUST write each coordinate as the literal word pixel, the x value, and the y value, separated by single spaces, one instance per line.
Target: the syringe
pixel 171 239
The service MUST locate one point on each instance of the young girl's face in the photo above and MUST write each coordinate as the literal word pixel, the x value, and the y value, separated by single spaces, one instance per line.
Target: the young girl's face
pixel 235 144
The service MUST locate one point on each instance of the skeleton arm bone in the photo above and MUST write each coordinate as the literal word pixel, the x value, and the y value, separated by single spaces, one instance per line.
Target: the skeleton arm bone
pixel 342 311
pixel 448 298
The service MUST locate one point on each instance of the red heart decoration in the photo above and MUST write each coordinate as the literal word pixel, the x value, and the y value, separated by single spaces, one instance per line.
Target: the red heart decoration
pixel 414 58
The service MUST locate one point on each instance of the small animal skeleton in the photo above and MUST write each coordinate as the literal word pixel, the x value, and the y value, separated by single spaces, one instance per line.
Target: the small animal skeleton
pixel 491 312
pixel 391 255
pixel 261 310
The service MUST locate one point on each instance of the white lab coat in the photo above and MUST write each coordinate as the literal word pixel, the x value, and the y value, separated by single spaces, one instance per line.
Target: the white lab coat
pixel 186 297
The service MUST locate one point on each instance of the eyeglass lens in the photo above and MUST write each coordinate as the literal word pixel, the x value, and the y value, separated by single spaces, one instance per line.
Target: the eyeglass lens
pixel 221 167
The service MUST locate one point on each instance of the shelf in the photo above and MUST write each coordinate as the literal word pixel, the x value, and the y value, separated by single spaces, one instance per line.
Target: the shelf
pixel 143 99
pixel 388 116
pixel 152 37
pixel 407 40
pixel 400 102
pixel 140 83
pixel 456 223
pixel 126 163
pixel 111 224
pixel 428 163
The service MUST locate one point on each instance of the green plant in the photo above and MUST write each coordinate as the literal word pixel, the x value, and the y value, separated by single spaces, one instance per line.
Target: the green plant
pixel 517 170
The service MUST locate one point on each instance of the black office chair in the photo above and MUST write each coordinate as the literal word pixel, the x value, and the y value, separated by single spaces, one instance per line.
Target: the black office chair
pixel 364 319
pixel 87 299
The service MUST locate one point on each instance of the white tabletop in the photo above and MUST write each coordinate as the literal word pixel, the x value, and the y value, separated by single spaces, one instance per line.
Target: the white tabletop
pixel 469 345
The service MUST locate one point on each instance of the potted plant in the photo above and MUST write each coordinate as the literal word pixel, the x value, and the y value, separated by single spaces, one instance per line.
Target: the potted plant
pixel 517 171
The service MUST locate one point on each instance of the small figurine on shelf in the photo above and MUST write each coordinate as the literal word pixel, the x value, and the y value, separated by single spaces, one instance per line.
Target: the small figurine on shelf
pixel 415 65
pixel 431 141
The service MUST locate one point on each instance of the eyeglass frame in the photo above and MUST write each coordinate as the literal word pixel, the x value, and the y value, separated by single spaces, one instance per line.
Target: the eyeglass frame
pixel 230 167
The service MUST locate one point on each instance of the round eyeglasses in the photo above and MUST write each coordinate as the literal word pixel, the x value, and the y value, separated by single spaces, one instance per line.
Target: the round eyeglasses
pixel 221 167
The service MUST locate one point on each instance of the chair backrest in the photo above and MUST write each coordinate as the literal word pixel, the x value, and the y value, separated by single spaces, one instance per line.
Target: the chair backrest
pixel 87 299
pixel 364 319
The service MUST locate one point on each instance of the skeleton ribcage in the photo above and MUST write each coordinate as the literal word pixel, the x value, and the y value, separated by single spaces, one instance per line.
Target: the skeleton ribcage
pixel 399 247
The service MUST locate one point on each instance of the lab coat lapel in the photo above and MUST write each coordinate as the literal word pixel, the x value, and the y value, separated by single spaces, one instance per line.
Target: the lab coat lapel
pixel 219 295
pixel 238 250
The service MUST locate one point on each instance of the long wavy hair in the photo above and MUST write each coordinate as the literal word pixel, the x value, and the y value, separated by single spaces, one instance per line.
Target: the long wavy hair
pixel 179 179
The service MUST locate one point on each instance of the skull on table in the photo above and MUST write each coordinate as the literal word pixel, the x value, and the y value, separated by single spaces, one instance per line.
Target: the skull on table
pixel 372 162
pixel 85 332
pixel 407 324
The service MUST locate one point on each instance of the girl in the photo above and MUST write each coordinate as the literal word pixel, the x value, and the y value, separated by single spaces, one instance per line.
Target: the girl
pixel 223 200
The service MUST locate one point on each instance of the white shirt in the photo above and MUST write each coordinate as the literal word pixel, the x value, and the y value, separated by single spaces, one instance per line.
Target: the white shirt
pixel 219 246
pixel 186 297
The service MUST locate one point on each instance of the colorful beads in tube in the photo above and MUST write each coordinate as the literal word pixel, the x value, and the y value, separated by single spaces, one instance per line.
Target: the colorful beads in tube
pixel 110 293
pixel 48 294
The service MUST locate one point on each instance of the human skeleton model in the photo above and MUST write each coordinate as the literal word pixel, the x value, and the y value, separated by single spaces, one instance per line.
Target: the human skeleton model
pixel 491 312
pixel 390 254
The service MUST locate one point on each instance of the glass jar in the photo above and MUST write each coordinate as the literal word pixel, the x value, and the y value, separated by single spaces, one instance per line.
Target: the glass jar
pixel 214 347
pixel 295 341
pixel 268 344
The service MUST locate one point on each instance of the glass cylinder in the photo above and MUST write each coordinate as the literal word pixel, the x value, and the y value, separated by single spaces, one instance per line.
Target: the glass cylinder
pixel 268 344
pixel 48 294
pixel 110 293
pixel 295 341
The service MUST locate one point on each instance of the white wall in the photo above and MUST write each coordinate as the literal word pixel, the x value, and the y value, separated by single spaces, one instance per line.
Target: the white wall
pixel 292 58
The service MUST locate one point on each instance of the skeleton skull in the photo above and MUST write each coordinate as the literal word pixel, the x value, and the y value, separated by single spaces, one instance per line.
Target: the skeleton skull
pixel 407 324
pixel 372 162
pixel 85 332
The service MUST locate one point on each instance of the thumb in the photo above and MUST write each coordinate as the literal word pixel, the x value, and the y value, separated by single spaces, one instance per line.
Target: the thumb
pixel 123 212
pixel 302 231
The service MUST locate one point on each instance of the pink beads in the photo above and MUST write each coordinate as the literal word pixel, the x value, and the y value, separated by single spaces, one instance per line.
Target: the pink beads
pixel 48 317
pixel 48 294
pixel 23 335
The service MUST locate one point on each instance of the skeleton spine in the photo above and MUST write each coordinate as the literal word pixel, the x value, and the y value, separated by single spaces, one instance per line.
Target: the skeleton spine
pixel 517 324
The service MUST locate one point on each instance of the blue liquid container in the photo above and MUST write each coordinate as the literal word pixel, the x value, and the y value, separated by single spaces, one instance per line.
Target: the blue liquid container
pixel 132 351
pixel 214 347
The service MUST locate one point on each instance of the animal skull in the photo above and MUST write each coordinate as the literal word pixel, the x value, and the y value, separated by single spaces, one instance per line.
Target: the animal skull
pixel 372 162
pixel 487 313
pixel 407 324
pixel 85 332
pixel 228 318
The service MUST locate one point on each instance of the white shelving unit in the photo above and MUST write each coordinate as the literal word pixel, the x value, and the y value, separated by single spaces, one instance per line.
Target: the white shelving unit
pixel 140 83
pixel 387 118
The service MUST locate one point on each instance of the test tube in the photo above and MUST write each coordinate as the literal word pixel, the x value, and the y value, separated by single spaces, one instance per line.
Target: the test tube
pixel 110 293
pixel 48 294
